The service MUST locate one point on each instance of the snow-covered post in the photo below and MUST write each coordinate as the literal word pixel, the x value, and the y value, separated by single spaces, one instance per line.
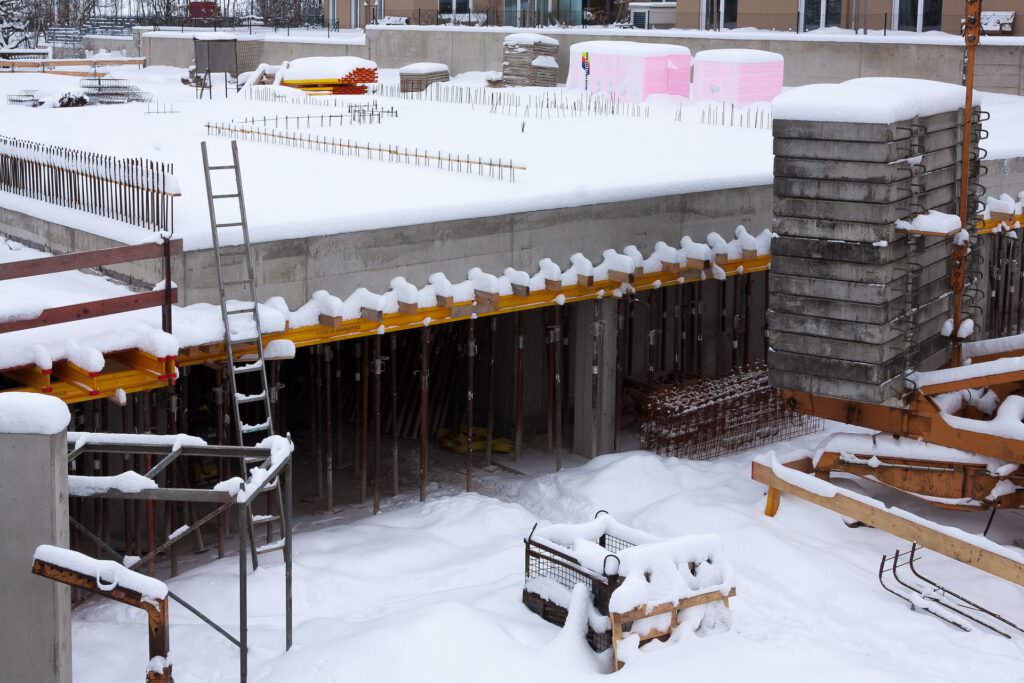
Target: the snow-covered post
pixel 33 510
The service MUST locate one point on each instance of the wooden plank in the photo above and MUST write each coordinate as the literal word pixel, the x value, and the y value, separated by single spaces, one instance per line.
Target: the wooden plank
pixel 908 526
pixel 1010 377
pixel 91 309
pixel 642 612
pixel 32 377
pixel 85 259
pixel 67 371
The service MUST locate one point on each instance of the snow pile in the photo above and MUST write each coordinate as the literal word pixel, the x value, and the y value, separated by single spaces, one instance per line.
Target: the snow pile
pixel 529 39
pixel 421 68
pixel 174 441
pixel 932 223
pixel 109 575
pixel 281 449
pixel 24 413
pixel 545 62
pixel 869 100
pixel 125 482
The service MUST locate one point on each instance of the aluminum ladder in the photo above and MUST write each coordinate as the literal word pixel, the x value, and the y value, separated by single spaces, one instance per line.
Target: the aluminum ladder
pixel 245 314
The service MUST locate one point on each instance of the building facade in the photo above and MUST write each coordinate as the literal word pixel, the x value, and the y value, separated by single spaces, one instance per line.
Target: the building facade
pixel 810 15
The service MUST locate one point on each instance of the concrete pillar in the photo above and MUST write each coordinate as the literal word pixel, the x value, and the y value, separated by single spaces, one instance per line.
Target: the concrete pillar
pixel 36 646
pixel 594 338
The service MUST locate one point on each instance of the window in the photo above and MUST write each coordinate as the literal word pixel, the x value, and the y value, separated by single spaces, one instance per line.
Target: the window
pixel 917 15
pixel 821 13
pixel 719 14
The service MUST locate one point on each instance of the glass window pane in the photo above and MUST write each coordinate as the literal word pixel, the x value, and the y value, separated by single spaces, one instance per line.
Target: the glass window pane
pixel 730 14
pixel 833 12
pixel 812 14
pixel 932 15
pixel 907 18
pixel 444 6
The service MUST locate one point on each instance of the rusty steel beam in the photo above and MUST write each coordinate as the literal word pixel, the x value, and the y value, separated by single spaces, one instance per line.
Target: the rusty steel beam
pixel 88 259
pixel 157 611
pixel 91 309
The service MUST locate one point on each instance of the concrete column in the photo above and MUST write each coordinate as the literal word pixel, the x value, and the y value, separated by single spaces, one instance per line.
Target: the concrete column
pixel 594 338
pixel 36 646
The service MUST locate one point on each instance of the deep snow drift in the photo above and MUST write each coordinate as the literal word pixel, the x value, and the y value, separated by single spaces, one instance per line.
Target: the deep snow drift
pixel 432 592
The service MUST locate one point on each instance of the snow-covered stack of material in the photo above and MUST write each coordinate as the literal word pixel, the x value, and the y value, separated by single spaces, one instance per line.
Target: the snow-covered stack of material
pixel 857 298
pixel 416 77
pixel 530 59
pixel 624 569
pixel 629 71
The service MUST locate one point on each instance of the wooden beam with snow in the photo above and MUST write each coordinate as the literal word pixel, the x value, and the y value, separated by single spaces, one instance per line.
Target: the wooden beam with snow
pixel 892 520
pixel 86 259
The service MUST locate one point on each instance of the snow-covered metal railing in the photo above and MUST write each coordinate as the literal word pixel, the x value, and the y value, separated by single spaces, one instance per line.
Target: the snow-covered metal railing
pixel 496 169
pixel 137 191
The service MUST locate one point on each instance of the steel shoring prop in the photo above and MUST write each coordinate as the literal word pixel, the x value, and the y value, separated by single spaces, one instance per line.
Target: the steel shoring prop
pixel 972 35
pixel 393 381
pixel 490 390
pixel 520 348
pixel 424 409
pixel 470 358
pixel 328 426
pixel 377 369
pixel 557 315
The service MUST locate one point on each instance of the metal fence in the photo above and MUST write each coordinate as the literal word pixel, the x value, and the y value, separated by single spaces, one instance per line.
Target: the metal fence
pixel 139 191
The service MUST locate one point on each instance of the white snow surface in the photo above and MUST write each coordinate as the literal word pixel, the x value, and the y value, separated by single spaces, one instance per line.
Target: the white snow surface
pixel 553 150
pixel 423 68
pixel 109 575
pixel 625 48
pixel 373 595
pixel 529 39
pixel 738 56
pixel 25 413
pixel 869 100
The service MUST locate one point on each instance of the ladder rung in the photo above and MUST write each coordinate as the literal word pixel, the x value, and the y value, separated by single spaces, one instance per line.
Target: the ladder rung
pixel 233 250
pixel 228 225
pixel 242 399
pixel 250 429
pixel 271 547
pixel 251 367
pixel 244 340
pixel 220 168
pixel 240 311
pixel 232 283
pixel 225 196
pixel 264 519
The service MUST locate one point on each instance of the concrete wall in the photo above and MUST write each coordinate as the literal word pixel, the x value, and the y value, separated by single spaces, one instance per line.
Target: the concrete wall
pixel 1000 68
pixel 36 643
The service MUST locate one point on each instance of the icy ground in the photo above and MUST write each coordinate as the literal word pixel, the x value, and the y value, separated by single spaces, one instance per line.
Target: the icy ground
pixel 431 592
pixel 292 193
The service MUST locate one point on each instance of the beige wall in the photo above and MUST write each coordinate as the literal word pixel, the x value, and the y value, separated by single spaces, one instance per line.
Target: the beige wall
pixel 782 14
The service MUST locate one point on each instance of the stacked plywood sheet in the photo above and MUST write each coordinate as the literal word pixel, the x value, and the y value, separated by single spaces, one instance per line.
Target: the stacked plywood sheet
pixel 859 286
pixel 417 77
pixel 530 59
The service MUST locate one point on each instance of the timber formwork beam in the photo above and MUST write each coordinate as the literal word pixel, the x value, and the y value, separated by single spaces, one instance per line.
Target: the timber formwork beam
pixel 983 554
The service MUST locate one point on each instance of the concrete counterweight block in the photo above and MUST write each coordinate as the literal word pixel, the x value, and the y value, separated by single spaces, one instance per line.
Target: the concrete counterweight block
pixel 855 299
pixel 36 645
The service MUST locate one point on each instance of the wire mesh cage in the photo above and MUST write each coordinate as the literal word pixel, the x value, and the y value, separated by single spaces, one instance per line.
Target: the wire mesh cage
pixel 545 561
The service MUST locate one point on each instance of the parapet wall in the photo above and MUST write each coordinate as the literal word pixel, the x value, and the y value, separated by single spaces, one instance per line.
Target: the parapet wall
pixel 1000 65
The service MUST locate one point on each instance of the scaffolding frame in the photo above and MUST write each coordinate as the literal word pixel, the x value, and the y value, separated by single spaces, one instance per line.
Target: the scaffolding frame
pixel 224 500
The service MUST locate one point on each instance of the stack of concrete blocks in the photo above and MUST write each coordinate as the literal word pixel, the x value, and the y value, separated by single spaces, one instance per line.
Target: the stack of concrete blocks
pixel 418 77
pixel 530 59
pixel 856 300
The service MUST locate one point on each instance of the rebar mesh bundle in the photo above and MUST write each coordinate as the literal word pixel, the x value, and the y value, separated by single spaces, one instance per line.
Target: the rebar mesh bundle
pixel 709 418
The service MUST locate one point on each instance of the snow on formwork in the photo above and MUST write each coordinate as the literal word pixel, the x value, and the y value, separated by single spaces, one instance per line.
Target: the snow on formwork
pixel 870 100
pixel 628 70
pixel 529 39
pixel 372 596
pixel 737 76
